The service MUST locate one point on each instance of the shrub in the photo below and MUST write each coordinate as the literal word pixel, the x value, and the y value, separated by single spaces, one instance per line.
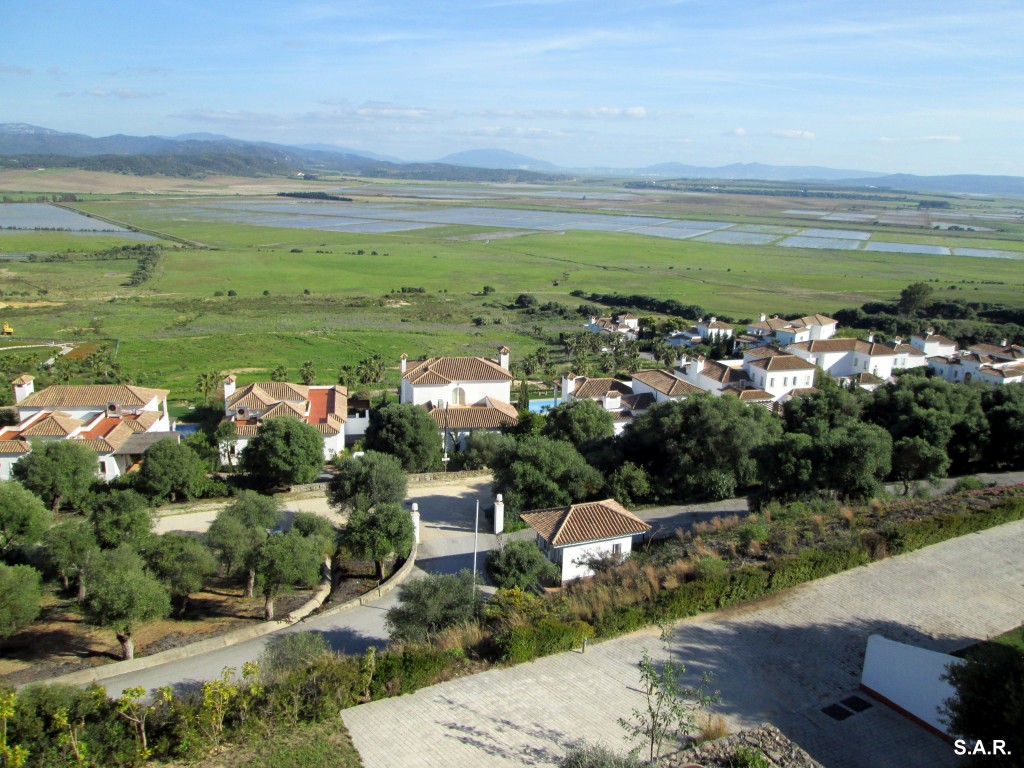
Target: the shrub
pixel 284 653
pixel 432 603
pixel 526 642
pixel 413 668
pixel 598 756
pixel 519 563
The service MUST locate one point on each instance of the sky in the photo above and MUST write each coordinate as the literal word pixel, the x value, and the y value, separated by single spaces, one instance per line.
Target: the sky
pixel 900 86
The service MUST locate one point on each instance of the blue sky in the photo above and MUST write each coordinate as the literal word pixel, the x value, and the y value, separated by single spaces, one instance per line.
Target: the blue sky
pixel 897 86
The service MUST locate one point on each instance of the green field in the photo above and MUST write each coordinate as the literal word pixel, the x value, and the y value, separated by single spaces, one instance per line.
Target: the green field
pixel 174 326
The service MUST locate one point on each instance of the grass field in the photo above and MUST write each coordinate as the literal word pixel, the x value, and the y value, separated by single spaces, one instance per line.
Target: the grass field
pixel 174 326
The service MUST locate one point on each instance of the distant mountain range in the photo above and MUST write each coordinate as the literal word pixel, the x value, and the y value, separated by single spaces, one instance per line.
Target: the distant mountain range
pixel 196 154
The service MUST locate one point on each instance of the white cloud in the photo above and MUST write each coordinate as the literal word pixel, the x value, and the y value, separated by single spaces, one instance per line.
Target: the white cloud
pixel 12 69
pixel 740 132
pixel 792 134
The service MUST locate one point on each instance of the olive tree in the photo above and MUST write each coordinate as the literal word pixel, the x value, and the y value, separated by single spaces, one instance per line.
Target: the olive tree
pixel 285 559
pixel 20 593
pixel 284 451
pixel 183 563
pixel 73 549
pixel 377 534
pixel 366 481
pixel 60 472
pixel 124 595
pixel 23 517
pixel 240 528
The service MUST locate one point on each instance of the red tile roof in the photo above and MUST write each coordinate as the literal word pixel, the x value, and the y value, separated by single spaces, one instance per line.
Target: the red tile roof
pixel 445 370
pixel 666 382
pixel 89 395
pixel 487 414
pixel 580 523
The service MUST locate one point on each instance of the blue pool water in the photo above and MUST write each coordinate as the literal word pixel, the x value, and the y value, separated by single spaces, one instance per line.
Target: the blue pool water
pixel 542 405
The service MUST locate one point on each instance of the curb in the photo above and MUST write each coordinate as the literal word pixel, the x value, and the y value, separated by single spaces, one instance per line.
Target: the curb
pixel 117 668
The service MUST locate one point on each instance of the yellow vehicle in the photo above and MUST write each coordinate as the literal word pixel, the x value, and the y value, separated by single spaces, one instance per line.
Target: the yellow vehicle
pixel 8 331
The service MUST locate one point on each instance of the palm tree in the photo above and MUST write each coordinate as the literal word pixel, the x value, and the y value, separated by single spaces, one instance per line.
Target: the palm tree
pixel 307 372
pixel 207 383
pixel 280 373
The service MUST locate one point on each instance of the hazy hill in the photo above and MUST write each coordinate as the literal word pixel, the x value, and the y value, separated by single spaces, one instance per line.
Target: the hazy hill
pixel 498 158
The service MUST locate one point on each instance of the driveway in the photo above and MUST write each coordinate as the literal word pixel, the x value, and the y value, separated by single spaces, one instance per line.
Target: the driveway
pixel 780 660
pixel 446 546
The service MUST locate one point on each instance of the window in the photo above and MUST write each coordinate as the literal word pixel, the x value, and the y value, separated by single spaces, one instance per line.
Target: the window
pixel 771 382
pixel 617 550
pixel 458 396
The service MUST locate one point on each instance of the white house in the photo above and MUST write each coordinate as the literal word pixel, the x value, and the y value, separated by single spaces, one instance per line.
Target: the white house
pixel 933 344
pixel 117 421
pixel 996 364
pixel 613 395
pixel 763 375
pixel 570 535
pixel 463 394
pixel 702 332
pixel 846 358
pixel 325 407
pixel 625 323
pixel 768 330
pixel 663 385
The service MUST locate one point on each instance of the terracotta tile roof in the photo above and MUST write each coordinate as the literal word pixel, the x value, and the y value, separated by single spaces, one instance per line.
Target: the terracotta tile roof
pixel 770 324
pixel 802 391
pixel 54 424
pixel 579 523
pixel 639 402
pixel 89 395
pixel 487 414
pixel 444 370
pixel 13 447
pixel 783 363
pixel 873 349
pixel 290 410
pixel 260 394
pixel 818 320
pixel 866 378
pixel 766 351
pixel 588 387
pixel 717 326
pixel 23 379
pixel 109 442
pixel 141 422
pixel 725 374
pixel 666 382
pixel 756 395
pixel 905 349
pixel 1009 372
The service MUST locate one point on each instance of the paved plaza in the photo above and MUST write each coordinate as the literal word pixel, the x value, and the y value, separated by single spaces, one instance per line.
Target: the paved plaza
pixel 780 660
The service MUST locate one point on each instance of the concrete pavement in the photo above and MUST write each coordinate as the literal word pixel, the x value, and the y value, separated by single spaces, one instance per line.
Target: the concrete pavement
pixel 780 660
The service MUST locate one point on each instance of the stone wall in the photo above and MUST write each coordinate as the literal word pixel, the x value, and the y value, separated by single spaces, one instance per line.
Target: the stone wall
pixel 778 750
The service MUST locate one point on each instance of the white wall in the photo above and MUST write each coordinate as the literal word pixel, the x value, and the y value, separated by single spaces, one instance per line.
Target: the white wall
pixel 6 462
pixel 909 677
pixel 475 392
pixel 564 556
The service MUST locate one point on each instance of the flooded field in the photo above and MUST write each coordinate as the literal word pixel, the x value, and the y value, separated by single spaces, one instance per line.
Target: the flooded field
pixel 39 216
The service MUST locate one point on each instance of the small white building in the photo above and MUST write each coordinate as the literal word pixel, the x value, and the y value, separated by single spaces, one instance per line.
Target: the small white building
pixel 117 421
pixel 933 344
pixel 996 364
pixel 663 385
pixel 570 535
pixel 847 358
pixel 775 330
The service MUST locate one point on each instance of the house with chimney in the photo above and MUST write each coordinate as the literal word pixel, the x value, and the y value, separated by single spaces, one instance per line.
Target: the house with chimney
pixel 704 331
pixel 249 406
pixel 775 330
pixel 996 364
pixel 462 394
pixel 624 323
pixel 764 375
pixel 117 421
pixel 616 397
pixel 863 361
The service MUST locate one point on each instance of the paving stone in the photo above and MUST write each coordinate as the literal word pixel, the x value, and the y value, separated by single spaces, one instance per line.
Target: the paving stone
pixel 778 661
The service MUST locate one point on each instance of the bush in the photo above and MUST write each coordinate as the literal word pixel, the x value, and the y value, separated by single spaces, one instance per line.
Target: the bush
pixel 428 605
pixel 598 756
pixel 526 642
pixel 519 563
pixel 284 653
pixel 414 668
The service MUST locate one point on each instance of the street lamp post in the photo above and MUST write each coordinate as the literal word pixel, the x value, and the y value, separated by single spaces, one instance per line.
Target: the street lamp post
pixel 476 538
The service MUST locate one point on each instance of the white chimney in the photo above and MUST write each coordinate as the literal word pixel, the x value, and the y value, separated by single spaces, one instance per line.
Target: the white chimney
pixel 713 320
pixel 229 386
pixel 871 337
pixel 612 401
pixel 503 354
pixel 897 341
pixel 415 514
pixel 1004 343
pixel 403 362
pixel 23 387
pixel 763 317
pixel 568 386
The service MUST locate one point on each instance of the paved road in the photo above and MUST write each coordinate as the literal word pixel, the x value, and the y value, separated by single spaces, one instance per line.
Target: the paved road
pixel 780 660
pixel 446 546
